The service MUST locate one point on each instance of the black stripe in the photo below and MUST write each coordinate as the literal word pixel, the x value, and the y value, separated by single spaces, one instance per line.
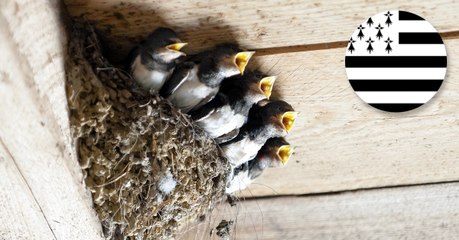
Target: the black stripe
pixel 396 85
pixel 402 15
pixel 395 62
pixel 419 38
pixel 396 107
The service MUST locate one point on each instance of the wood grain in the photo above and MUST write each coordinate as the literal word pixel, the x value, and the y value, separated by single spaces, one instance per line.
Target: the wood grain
pixel 38 161
pixel 22 217
pixel 255 24
pixel 342 143
pixel 422 212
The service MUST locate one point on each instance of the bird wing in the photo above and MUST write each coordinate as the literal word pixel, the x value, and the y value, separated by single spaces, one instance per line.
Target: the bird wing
pixel 256 168
pixel 205 111
pixel 255 172
pixel 240 169
pixel 239 180
pixel 227 137
pixel 177 79
pixel 205 100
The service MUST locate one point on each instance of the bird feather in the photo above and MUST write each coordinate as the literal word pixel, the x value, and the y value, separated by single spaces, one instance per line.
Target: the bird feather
pixel 177 79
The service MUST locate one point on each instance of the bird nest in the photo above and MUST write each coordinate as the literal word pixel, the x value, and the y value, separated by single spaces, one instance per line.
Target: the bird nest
pixel 149 169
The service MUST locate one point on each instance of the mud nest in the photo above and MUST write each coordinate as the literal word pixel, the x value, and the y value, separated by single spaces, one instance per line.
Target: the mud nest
pixel 149 169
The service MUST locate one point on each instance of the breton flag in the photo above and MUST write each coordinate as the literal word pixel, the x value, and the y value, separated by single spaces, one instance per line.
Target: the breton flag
pixel 396 61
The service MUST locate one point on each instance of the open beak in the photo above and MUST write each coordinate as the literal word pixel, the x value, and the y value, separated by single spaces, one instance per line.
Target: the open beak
pixel 176 46
pixel 288 118
pixel 266 85
pixel 241 59
pixel 284 153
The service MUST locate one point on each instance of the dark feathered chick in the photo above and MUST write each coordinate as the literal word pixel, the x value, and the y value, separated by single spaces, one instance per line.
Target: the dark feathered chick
pixel 152 62
pixel 265 121
pixel 196 81
pixel 275 153
pixel 222 117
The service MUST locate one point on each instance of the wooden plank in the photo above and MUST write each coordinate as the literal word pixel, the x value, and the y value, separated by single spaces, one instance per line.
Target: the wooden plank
pixel 341 143
pixel 255 24
pixel 23 218
pixel 421 212
pixel 34 130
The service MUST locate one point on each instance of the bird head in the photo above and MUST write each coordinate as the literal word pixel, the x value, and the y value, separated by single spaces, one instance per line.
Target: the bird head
pixel 164 45
pixel 281 115
pixel 257 85
pixel 276 151
pixel 231 59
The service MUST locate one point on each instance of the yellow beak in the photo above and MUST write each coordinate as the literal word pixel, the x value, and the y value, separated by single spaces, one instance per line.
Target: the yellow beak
pixel 241 60
pixel 284 153
pixel 288 119
pixel 176 46
pixel 266 85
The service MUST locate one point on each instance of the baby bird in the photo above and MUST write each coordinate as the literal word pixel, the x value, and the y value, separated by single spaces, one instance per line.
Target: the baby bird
pixel 275 153
pixel 152 63
pixel 196 81
pixel 265 121
pixel 222 117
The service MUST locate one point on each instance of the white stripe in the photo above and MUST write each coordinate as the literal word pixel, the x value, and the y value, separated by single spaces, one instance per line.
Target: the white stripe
pixel 401 50
pixel 414 26
pixel 396 73
pixel 395 97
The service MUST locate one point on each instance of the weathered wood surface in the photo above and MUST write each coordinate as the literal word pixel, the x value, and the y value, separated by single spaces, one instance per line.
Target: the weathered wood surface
pixel 342 143
pixel 41 191
pixel 421 212
pixel 255 24
pixel 21 216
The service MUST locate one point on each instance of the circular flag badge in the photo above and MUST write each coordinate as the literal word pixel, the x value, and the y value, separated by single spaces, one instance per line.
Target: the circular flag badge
pixel 395 61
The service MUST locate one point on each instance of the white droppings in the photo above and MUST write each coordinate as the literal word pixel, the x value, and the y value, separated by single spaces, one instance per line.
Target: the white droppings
pixel 128 184
pixel 159 198
pixel 167 183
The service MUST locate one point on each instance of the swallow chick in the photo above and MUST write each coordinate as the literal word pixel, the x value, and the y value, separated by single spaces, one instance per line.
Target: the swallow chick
pixel 265 121
pixel 196 81
pixel 275 153
pixel 222 117
pixel 152 62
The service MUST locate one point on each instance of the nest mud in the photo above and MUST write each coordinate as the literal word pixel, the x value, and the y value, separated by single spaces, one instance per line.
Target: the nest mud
pixel 149 169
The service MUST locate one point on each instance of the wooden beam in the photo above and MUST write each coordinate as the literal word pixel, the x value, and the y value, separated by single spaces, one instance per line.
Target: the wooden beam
pixel 342 143
pixel 41 191
pixel 16 202
pixel 255 24
pixel 421 212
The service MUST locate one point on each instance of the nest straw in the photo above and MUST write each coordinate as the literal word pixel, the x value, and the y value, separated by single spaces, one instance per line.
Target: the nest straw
pixel 129 142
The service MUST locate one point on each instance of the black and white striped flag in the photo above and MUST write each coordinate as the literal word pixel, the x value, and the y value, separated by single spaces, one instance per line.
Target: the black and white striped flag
pixel 396 61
